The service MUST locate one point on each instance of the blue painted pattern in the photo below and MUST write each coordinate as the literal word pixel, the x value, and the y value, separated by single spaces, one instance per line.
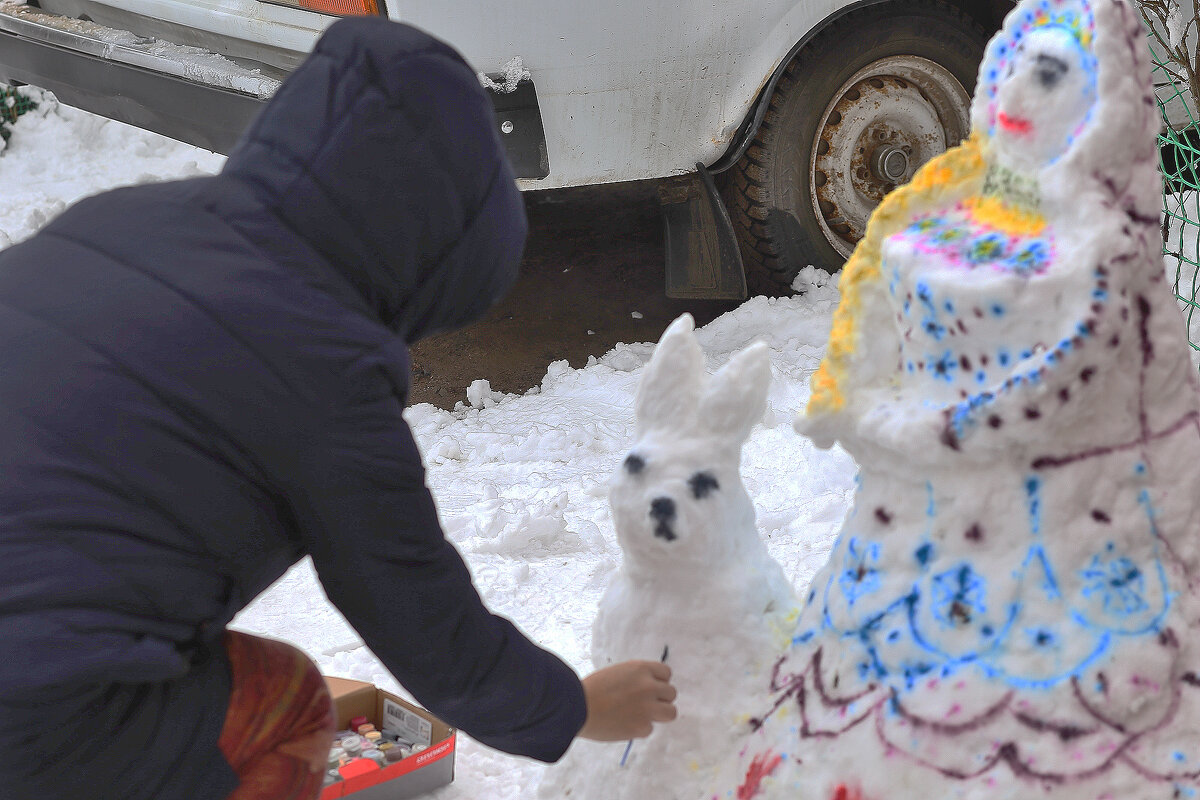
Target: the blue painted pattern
pixel 939 619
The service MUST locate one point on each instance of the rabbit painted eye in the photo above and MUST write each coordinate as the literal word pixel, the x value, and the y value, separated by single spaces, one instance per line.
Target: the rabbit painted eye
pixel 634 464
pixel 702 484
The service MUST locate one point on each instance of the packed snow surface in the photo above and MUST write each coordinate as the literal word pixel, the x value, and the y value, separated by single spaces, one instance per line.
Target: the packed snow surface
pixel 521 480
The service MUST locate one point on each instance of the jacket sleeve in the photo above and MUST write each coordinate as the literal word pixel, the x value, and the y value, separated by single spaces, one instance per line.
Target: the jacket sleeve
pixel 372 529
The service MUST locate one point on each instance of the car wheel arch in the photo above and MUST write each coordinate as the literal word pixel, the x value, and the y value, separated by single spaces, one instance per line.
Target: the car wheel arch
pixel 987 14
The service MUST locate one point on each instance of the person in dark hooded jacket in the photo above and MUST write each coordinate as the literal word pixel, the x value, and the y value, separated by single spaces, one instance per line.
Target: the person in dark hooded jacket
pixel 202 383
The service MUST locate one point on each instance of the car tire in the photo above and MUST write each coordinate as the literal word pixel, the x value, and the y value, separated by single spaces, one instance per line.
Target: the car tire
pixel 869 99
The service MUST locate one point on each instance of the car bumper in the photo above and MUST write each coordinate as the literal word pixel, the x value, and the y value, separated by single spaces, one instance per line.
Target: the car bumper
pixel 185 93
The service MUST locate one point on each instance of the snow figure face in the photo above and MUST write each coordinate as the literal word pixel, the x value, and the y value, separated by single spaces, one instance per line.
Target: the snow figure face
pixel 678 496
pixel 1044 98
pixel 675 499
pixel 1040 72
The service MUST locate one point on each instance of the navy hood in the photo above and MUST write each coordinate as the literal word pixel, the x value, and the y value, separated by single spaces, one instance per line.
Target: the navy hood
pixel 380 153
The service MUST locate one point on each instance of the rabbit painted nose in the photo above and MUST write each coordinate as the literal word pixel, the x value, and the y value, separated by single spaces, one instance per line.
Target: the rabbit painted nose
pixel 662 511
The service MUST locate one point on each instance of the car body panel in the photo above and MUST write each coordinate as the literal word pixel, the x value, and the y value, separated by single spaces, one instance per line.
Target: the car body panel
pixel 626 89
pixel 630 89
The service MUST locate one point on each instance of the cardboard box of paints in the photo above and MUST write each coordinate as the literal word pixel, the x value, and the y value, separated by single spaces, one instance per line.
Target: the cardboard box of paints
pixel 414 776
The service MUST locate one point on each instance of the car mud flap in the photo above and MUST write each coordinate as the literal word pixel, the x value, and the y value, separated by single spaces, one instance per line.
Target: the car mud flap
pixel 519 120
pixel 703 259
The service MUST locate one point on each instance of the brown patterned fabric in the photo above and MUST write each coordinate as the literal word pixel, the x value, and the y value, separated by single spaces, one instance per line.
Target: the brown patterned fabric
pixel 280 722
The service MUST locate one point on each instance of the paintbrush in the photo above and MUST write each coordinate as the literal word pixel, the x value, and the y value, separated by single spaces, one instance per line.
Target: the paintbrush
pixel 629 746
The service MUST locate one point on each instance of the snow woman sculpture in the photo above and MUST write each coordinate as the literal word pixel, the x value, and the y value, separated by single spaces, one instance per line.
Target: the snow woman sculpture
pixel 1011 608
pixel 696 586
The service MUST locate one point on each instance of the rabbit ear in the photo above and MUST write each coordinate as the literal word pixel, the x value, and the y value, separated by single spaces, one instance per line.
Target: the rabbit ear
pixel 671 383
pixel 737 395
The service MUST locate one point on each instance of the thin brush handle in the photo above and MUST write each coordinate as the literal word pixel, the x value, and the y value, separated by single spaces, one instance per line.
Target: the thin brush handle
pixel 629 746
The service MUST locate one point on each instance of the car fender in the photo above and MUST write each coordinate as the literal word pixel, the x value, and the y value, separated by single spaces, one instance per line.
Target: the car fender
pixel 628 89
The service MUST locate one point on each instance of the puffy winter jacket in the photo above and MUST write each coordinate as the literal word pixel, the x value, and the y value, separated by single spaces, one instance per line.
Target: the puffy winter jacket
pixel 202 382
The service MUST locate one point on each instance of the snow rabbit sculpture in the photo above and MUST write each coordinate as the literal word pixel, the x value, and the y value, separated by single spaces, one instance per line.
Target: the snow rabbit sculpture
pixel 696 586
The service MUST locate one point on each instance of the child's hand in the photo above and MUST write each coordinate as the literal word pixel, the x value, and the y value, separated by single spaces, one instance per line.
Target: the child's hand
pixel 623 700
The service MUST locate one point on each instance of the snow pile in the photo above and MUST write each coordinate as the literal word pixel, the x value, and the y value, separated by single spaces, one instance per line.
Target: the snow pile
pixel 59 154
pixel 480 394
pixel 193 63
pixel 514 72
pixel 1179 19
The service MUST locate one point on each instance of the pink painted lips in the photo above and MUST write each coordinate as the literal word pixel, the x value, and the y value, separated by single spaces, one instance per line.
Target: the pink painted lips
pixel 1014 124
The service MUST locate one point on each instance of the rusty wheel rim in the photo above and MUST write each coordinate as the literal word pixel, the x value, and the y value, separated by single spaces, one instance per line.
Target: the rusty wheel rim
pixel 883 123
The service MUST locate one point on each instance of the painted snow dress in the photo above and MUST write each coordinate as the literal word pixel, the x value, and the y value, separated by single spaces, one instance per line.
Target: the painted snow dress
pixel 1010 610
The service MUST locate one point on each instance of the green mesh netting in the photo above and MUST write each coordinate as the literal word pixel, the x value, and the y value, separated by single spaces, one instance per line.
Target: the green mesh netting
pixel 1173 27
pixel 12 105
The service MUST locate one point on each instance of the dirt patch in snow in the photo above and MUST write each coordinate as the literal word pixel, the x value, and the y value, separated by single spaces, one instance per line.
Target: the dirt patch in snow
pixel 592 276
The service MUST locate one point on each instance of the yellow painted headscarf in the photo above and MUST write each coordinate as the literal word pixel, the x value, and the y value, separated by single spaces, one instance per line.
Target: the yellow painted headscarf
pixel 955 174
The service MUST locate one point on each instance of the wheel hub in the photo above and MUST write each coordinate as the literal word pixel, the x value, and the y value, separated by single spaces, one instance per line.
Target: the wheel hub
pixel 885 122
pixel 889 163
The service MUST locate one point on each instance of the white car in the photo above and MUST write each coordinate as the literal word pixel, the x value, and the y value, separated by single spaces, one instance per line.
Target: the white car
pixel 812 109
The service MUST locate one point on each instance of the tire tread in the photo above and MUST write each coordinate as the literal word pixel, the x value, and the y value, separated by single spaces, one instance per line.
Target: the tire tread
pixel 748 187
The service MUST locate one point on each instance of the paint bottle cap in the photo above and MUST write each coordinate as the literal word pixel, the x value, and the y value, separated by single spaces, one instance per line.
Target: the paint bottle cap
pixel 385 746
pixel 373 736
pixel 365 728
pixel 376 756
pixel 356 721
pixel 419 747
pixel 352 745
pixel 394 754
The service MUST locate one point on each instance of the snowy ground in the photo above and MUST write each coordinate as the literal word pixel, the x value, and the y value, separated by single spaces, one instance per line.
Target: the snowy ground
pixel 520 479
